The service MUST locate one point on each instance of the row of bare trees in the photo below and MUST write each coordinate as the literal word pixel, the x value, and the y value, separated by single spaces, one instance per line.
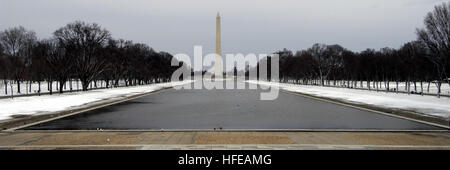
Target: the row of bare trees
pixel 425 60
pixel 79 51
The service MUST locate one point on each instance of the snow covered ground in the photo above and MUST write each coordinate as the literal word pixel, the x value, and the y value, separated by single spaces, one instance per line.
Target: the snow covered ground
pixel 51 103
pixel 429 105
pixel 402 87
pixel 25 87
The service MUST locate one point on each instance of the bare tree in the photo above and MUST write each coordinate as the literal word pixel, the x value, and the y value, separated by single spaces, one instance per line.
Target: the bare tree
pixel 39 68
pixel 436 39
pixel 57 61
pixel 17 42
pixel 83 42
pixel 15 39
pixel 3 71
pixel 328 58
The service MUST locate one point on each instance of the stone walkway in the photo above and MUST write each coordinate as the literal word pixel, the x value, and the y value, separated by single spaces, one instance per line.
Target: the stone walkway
pixel 222 140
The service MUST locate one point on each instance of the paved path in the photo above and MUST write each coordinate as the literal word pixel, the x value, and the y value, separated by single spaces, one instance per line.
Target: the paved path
pixel 228 109
pixel 224 140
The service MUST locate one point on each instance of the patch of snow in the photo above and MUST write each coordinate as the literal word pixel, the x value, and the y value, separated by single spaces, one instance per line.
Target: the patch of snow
pixel 26 88
pixel 402 86
pixel 429 105
pixel 58 102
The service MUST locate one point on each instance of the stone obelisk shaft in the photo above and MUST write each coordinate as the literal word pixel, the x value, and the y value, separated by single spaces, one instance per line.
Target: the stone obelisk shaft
pixel 219 63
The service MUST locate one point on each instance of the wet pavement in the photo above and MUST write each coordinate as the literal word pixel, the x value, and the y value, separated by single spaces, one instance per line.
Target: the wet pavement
pixel 227 109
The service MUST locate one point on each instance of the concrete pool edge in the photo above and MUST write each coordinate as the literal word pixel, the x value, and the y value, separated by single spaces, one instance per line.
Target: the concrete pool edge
pixel 229 130
pixel 224 140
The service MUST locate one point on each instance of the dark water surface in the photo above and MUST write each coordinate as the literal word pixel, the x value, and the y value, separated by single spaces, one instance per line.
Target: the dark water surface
pixel 227 109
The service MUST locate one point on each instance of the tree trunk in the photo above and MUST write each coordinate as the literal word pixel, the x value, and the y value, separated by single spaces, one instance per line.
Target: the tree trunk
pixel 85 84
pixel 51 87
pixel 388 85
pixel 18 86
pixel 62 84
pixel 408 86
pixel 396 86
pixel 39 88
pixel 70 81
pixel 6 87
pixel 321 80
pixel 26 87
pixel 107 83
pixel 421 88
pixel 415 86
pixel 12 90
pixel 439 89
pixel 377 85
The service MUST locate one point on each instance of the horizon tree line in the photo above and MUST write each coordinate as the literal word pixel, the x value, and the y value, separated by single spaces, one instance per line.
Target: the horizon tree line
pixel 426 59
pixel 78 51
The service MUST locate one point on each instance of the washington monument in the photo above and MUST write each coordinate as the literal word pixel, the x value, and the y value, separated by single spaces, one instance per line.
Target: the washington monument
pixel 219 65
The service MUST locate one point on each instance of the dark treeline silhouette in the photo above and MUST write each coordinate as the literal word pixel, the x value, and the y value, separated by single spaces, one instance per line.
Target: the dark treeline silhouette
pixel 79 51
pixel 423 60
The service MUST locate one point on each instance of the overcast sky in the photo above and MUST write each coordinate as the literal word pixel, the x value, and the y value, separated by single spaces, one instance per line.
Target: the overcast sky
pixel 248 26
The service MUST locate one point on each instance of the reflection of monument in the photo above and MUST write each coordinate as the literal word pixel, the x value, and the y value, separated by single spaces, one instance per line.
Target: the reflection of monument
pixel 219 63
